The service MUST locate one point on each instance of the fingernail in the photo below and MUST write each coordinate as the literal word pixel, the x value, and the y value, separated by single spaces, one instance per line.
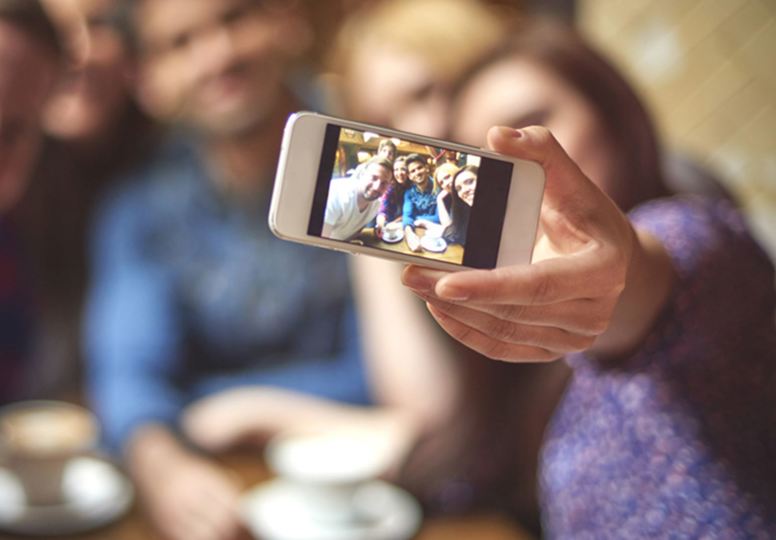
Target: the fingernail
pixel 510 132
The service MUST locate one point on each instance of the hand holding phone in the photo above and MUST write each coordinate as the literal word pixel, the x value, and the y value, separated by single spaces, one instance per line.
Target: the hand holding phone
pixel 566 299
pixel 365 189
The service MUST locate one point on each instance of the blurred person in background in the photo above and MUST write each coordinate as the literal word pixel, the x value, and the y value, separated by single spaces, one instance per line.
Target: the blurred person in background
pixel 665 415
pixel 95 133
pixel 402 74
pixel 30 62
pixel 203 329
pixel 395 61
pixel 486 456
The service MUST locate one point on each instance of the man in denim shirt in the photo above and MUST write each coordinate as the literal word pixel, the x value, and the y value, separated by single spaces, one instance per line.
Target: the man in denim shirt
pixel 192 295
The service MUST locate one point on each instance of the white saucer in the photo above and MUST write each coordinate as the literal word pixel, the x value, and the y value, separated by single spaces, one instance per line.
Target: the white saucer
pixel 392 236
pixel 95 493
pixel 274 510
pixel 433 243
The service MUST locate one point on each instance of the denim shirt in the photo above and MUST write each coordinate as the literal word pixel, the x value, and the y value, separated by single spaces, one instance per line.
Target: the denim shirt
pixel 192 294
pixel 419 205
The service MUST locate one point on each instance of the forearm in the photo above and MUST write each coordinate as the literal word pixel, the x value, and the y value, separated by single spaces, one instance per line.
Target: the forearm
pixel 409 364
pixel 647 288
pixel 291 411
pixel 113 391
pixel 444 215
pixel 212 423
pixel 431 218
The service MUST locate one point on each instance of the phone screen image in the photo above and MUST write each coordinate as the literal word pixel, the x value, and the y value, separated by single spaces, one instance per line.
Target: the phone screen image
pixel 400 195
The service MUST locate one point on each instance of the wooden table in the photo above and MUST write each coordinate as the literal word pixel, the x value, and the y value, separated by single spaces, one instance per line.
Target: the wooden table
pixel 250 469
pixel 453 253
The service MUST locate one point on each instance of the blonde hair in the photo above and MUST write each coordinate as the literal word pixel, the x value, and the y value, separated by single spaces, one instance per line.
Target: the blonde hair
pixel 445 167
pixel 448 35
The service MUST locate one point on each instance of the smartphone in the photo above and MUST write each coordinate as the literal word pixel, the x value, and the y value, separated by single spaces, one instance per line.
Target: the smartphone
pixel 370 190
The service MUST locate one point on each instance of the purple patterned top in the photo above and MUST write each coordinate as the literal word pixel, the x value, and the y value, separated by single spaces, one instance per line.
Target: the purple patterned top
pixel 392 201
pixel 679 440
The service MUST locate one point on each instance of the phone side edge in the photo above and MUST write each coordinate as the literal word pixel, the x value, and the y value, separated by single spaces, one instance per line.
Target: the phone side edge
pixel 521 218
pixel 285 181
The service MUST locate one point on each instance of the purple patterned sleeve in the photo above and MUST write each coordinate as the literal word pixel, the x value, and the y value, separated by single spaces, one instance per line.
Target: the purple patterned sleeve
pixel 679 439
pixel 387 204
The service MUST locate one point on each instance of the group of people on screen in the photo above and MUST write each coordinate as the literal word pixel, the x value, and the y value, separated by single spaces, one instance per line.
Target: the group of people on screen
pixel 432 191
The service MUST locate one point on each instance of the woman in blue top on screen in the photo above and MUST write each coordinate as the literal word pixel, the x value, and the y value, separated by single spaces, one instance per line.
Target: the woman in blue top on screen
pixel 420 200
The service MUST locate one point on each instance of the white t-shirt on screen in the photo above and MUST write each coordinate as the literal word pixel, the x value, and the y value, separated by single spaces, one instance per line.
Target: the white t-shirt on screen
pixel 342 213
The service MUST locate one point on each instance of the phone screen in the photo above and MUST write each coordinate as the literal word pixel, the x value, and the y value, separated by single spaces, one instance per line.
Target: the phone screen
pixel 402 195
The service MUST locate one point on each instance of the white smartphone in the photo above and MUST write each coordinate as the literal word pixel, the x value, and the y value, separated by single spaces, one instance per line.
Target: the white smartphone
pixel 370 190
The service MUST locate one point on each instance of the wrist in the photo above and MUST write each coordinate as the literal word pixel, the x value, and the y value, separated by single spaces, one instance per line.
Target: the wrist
pixel 648 284
pixel 152 448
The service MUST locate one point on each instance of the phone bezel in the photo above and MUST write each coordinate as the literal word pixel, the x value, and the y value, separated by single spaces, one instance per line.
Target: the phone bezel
pixel 292 196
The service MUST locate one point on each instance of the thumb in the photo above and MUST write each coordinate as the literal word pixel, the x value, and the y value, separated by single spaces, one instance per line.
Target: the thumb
pixel 565 182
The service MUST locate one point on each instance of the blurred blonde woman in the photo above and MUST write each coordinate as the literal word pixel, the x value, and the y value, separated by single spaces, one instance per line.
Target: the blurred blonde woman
pixel 401 75
pixel 396 60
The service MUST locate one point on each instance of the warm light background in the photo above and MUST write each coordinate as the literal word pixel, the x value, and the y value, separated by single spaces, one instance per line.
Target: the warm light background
pixel 707 69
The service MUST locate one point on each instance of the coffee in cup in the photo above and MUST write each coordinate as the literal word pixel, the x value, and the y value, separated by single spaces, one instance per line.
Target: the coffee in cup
pixel 38 439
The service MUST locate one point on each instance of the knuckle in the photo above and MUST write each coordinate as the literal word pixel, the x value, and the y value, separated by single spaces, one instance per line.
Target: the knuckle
pixel 543 288
pixel 542 355
pixel 618 284
pixel 496 350
pixel 460 332
pixel 542 135
pixel 598 326
pixel 552 357
pixel 504 330
pixel 513 313
pixel 584 342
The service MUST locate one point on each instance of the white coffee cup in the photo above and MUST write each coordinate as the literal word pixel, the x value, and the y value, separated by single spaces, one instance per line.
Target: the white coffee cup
pixel 328 468
pixel 392 232
pixel 37 441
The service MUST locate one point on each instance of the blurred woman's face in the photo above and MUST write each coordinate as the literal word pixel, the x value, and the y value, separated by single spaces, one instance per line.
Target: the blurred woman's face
pixel 95 91
pixel 400 171
pixel 394 88
pixel 465 186
pixel 388 152
pixel 444 177
pixel 518 92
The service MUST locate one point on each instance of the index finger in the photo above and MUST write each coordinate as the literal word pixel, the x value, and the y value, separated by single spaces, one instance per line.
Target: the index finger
pixel 584 274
